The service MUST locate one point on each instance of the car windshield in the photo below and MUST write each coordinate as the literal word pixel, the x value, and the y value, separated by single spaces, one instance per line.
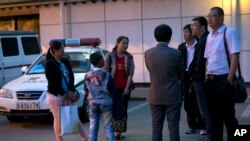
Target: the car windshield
pixel 77 60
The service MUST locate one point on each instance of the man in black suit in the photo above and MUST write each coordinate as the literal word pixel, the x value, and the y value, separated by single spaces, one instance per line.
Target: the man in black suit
pixel 187 49
pixel 197 72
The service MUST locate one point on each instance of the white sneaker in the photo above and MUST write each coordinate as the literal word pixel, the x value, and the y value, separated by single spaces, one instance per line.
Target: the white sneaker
pixel 203 132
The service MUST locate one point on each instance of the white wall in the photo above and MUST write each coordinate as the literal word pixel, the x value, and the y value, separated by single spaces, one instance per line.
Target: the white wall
pixel 137 20
pixel 243 28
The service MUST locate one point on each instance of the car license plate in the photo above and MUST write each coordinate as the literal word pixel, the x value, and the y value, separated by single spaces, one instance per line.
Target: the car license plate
pixel 28 106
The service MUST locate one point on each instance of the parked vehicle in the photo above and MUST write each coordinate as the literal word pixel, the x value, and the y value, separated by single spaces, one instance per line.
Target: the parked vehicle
pixel 17 49
pixel 26 95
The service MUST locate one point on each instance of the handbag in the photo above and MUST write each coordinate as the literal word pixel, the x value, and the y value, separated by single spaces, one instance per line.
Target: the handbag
pixel 72 96
pixel 239 83
pixel 68 120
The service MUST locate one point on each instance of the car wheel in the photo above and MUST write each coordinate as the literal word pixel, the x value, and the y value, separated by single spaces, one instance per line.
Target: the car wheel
pixel 15 118
pixel 83 111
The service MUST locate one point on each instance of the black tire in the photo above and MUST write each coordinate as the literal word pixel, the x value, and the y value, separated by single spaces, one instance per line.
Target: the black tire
pixel 83 111
pixel 15 118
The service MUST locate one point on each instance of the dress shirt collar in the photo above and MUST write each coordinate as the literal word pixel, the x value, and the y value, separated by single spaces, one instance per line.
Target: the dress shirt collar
pixel 220 30
pixel 162 43
pixel 193 45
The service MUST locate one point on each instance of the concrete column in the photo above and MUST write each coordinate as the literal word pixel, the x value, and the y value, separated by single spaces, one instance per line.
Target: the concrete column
pixel 234 14
pixel 62 18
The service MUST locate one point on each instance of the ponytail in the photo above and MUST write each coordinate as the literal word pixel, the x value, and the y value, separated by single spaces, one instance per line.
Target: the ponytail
pixel 115 48
pixel 49 55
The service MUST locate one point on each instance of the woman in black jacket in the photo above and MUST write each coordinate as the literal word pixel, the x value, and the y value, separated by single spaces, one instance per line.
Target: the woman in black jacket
pixel 60 81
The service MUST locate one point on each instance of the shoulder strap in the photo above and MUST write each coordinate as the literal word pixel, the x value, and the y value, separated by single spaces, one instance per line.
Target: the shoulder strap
pixel 227 53
pixel 226 48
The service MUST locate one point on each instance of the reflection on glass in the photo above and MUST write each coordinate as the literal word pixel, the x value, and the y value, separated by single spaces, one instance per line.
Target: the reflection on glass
pixel 38 67
pixel 77 60
pixel 7 24
pixel 28 24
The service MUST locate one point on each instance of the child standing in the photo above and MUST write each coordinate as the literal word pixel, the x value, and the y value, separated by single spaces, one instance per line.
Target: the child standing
pixel 100 88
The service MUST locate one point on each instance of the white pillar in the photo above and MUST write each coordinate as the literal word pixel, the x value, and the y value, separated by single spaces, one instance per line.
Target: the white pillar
pixel 68 32
pixel 234 14
pixel 62 18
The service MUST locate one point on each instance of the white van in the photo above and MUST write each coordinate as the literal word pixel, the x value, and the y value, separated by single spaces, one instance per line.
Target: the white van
pixel 26 95
pixel 17 49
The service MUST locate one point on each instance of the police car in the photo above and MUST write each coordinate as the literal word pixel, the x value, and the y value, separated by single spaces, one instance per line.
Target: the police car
pixel 26 95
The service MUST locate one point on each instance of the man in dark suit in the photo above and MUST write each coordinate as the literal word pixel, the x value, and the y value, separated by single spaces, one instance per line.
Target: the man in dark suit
pixel 197 73
pixel 187 49
pixel 165 67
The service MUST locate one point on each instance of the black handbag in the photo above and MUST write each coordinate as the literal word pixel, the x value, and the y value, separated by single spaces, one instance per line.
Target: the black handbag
pixel 239 83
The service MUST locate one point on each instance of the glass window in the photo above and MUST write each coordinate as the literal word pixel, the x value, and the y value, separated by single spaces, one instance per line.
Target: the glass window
pixel 77 60
pixel 23 22
pixel 30 45
pixel 105 52
pixel 38 67
pixel 7 24
pixel 9 47
pixel 28 23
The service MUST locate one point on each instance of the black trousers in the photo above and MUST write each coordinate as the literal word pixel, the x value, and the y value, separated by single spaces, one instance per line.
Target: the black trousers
pixel 194 119
pixel 172 114
pixel 220 101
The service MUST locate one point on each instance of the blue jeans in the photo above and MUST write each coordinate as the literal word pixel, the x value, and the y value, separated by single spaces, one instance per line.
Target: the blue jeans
pixel 95 112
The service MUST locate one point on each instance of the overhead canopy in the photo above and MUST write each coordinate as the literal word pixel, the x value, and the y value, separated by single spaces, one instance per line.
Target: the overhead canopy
pixel 28 3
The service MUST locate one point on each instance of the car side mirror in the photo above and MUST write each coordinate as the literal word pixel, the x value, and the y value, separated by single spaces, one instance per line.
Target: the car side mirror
pixel 24 69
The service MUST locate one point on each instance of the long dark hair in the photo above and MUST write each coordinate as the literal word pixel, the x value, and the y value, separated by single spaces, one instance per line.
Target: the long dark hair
pixel 54 45
pixel 118 40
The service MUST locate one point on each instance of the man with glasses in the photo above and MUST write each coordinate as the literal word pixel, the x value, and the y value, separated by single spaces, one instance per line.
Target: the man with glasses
pixel 220 75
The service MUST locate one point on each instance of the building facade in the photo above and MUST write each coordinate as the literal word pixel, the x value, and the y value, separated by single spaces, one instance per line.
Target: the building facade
pixel 108 19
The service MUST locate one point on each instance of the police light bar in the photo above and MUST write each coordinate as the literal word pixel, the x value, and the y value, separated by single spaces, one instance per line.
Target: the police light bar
pixel 72 42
